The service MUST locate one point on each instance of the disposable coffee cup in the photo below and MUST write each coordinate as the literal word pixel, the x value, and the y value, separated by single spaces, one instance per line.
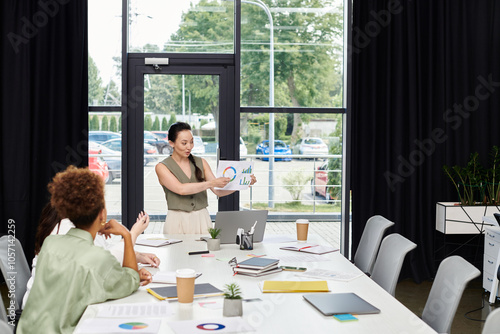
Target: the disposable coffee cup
pixel 302 228
pixel 185 285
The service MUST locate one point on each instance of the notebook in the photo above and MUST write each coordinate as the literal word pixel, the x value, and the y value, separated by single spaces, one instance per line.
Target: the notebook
pixel 200 290
pixel 295 286
pixel 309 248
pixel 258 263
pixel 156 242
pixel 340 303
pixel 230 221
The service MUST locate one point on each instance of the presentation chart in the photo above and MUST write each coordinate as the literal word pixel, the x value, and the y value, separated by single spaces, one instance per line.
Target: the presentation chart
pixel 239 173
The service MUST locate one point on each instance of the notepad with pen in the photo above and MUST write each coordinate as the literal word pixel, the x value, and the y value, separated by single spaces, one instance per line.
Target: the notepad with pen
pixel 200 290
pixel 310 248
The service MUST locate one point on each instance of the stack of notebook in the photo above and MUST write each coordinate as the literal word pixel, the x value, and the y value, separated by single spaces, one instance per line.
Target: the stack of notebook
pixel 257 266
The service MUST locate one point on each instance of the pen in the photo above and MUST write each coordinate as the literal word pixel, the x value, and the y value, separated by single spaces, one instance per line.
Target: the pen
pixel 253 228
pixel 305 247
pixel 199 252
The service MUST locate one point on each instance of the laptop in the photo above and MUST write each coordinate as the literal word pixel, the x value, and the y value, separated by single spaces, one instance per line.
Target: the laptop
pixel 230 221
pixel 340 303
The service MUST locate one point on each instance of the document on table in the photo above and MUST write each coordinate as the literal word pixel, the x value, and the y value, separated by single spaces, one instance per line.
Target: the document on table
pixel 122 325
pixel 330 275
pixel 221 325
pixel 135 310
pixel 167 277
pixel 293 258
pixel 238 172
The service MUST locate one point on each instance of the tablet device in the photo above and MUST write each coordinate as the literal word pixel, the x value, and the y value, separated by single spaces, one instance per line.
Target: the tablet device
pixel 340 303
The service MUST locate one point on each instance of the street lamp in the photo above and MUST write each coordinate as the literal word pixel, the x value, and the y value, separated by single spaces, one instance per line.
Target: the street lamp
pixel 271 96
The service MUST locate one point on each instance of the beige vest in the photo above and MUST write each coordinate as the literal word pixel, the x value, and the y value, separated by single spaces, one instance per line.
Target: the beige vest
pixel 185 202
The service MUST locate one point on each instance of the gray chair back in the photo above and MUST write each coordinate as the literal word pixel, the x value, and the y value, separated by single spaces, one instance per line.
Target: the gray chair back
pixel 370 241
pixel 449 284
pixel 389 261
pixel 14 267
pixel 492 324
pixel 4 326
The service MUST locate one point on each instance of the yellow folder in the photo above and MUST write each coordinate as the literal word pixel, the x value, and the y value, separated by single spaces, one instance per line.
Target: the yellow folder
pixel 295 286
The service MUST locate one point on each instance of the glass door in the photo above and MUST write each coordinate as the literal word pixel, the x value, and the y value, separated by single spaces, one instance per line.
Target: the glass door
pixel 160 95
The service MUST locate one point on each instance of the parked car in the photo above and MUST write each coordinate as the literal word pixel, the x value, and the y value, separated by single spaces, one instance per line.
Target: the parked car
pixel 98 166
pixel 114 162
pixel 162 134
pixel 199 146
pixel 311 146
pixel 280 148
pixel 150 152
pixel 320 181
pixel 102 136
pixel 162 146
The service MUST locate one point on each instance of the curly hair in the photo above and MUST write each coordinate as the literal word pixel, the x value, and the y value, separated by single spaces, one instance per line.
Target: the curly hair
pixel 77 194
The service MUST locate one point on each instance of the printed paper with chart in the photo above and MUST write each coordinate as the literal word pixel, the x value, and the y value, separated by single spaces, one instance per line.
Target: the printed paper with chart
pixel 238 171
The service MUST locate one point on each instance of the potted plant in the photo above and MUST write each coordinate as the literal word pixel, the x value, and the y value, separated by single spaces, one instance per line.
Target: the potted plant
pixel 213 244
pixel 478 190
pixel 232 301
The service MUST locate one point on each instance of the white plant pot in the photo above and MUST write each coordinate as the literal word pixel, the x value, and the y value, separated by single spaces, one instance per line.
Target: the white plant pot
pixel 213 244
pixel 232 308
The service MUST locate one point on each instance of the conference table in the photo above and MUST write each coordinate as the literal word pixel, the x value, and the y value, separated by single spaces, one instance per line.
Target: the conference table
pixel 270 312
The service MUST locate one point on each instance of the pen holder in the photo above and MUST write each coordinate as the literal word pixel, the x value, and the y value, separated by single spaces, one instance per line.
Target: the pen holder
pixel 246 241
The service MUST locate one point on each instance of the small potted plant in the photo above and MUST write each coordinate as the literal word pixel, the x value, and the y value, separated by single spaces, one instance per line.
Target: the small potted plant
pixel 213 244
pixel 232 301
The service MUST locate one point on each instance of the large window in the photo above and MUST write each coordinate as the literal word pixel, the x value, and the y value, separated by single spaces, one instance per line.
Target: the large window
pixel 276 66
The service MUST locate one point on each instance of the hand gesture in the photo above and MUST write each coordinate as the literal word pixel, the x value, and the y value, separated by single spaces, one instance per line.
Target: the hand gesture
pixel 141 223
pixel 220 182
pixel 254 179
pixel 113 227
pixel 148 258
pixel 145 277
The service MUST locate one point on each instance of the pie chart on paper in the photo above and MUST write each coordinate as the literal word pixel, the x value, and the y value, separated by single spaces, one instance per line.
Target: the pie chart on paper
pixel 133 325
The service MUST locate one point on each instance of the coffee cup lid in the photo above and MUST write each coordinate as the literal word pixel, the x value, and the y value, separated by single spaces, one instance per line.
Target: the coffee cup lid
pixel 302 221
pixel 185 273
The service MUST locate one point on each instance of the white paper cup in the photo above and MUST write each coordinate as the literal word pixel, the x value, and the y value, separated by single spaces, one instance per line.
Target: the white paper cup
pixel 302 229
pixel 185 285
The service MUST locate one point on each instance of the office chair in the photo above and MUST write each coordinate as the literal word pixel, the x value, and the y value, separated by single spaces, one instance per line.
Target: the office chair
pixel 14 267
pixel 449 284
pixel 492 324
pixel 370 241
pixel 389 261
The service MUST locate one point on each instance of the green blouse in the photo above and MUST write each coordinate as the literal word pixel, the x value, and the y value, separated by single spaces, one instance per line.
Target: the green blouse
pixel 185 202
pixel 72 273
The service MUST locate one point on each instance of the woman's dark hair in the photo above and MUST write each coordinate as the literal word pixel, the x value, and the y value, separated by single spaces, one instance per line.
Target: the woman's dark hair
pixel 48 221
pixel 77 194
pixel 173 131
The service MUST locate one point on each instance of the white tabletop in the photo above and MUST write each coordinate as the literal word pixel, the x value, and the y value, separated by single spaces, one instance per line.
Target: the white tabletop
pixel 276 312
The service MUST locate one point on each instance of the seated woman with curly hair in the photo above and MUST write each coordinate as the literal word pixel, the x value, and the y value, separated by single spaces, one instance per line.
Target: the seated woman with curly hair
pixel 71 272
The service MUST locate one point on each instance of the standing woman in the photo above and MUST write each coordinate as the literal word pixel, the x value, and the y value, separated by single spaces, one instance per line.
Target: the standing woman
pixel 185 179
pixel 72 272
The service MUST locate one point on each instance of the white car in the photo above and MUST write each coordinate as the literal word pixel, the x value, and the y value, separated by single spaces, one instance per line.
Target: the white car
pixel 311 146
pixel 199 146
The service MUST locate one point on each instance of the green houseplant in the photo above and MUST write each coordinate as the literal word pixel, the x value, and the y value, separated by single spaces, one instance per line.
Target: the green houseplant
pixel 476 185
pixel 232 301
pixel 213 244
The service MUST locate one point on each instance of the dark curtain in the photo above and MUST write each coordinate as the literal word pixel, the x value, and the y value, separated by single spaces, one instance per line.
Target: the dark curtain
pixel 425 93
pixel 44 105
